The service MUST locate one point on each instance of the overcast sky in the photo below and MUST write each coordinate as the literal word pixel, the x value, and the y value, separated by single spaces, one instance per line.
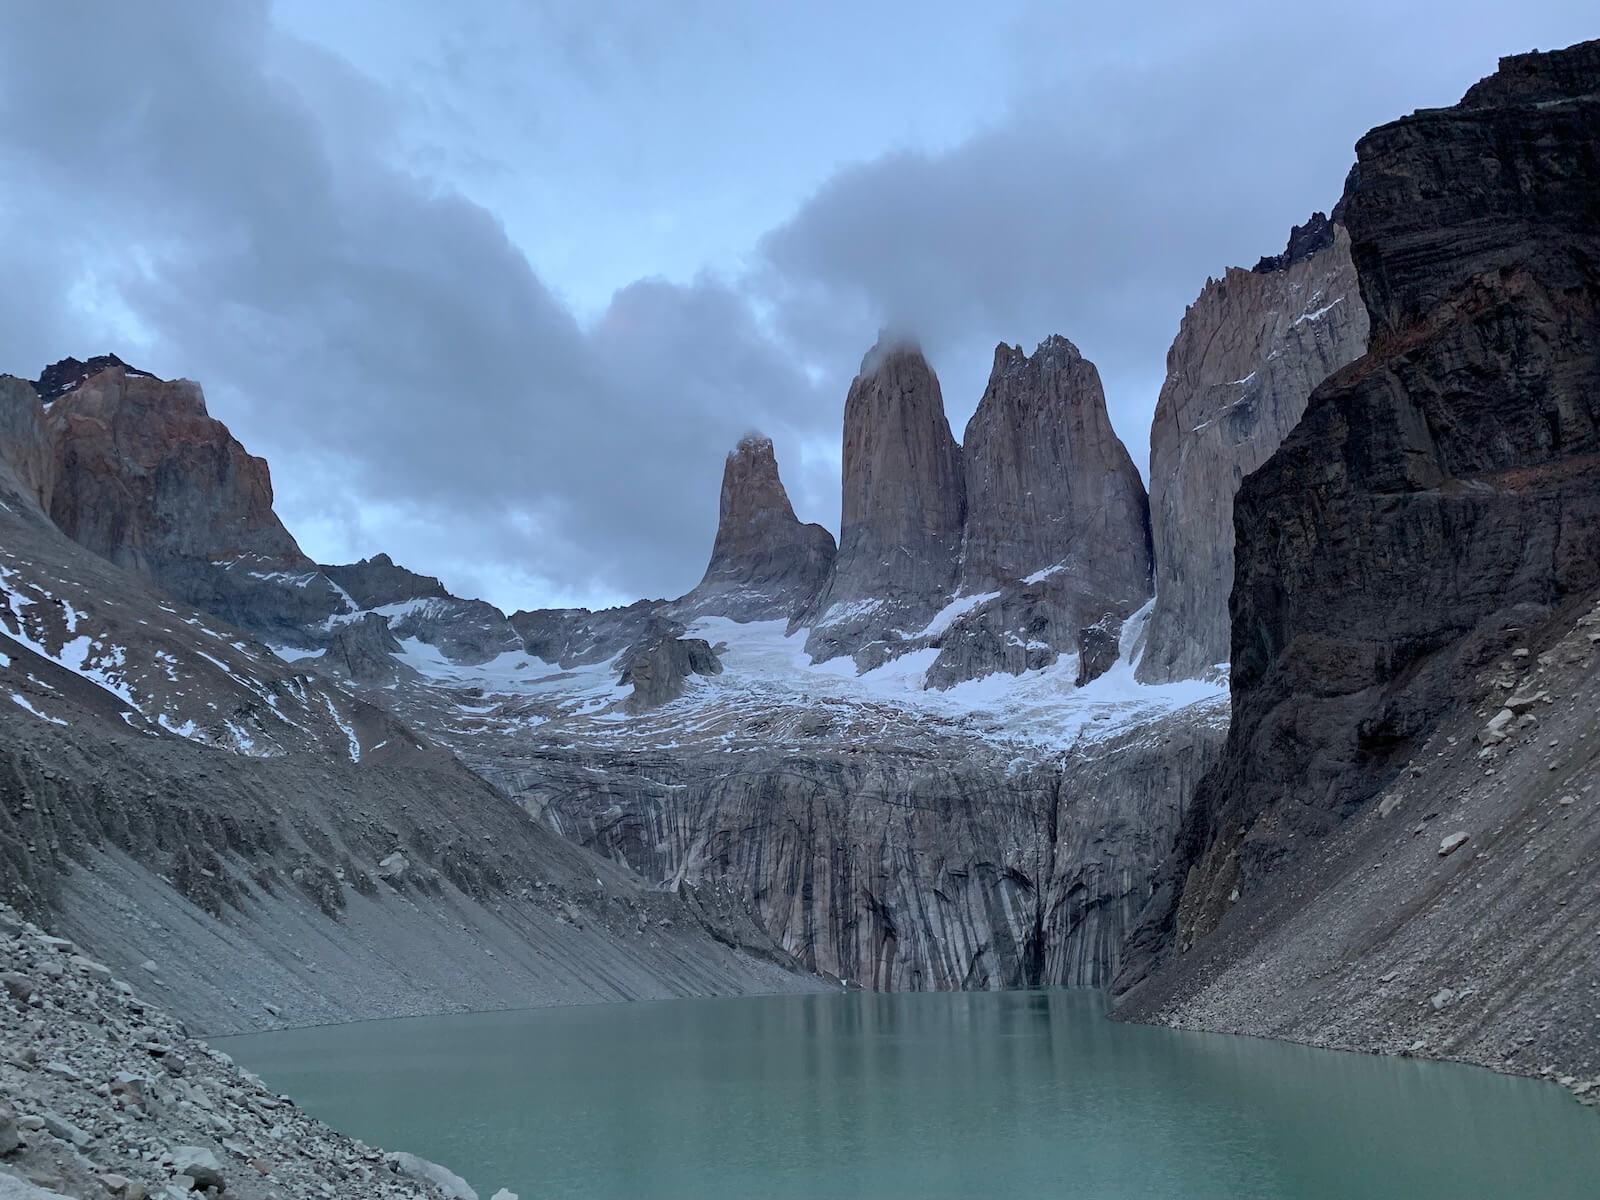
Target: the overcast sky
pixel 494 285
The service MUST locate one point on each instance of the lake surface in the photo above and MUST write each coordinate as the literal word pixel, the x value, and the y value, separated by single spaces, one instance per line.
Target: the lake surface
pixel 924 1095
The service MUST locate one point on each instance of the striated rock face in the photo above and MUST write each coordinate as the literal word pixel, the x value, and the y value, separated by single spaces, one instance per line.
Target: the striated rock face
pixel 1049 485
pixel 1439 494
pixel 765 564
pixel 1057 519
pixel 904 866
pixel 1250 350
pixel 904 494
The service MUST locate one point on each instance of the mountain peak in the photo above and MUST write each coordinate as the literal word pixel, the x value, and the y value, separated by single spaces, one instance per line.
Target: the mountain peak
pixel 764 564
pixel 61 377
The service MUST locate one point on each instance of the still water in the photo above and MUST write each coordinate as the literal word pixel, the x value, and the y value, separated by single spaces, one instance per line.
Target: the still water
pixel 925 1095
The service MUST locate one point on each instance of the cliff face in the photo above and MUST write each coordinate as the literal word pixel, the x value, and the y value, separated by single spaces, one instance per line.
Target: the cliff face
pixel 764 564
pixel 1049 485
pixel 904 502
pixel 27 453
pixel 145 477
pixel 1435 507
pixel 1058 525
pixel 1250 350
pixel 916 864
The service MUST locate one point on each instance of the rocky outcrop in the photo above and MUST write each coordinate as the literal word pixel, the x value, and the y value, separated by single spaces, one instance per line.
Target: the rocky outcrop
pixel 765 564
pixel 1049 485
pixel 1437 498
pixel 573 637
pixel 146 478
pixel 1247 355
pixel 1058 525
pixel 378 581
pixel 904 504
pixel 657 666
pixel 364 650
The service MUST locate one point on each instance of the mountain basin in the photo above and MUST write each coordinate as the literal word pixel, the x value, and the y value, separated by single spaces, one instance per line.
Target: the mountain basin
pixel 916 1095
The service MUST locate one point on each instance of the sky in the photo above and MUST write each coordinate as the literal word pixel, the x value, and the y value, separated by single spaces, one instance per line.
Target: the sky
pixel 495 285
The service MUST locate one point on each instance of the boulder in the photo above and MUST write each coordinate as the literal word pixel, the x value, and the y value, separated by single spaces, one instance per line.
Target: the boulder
pixel 451 1185
pixel 200 1165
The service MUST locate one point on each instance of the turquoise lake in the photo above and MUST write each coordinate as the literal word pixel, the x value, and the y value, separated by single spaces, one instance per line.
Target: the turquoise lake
pixel 919 1095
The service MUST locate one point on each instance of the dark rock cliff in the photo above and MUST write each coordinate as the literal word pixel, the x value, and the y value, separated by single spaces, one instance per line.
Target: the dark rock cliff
pixel 1439 494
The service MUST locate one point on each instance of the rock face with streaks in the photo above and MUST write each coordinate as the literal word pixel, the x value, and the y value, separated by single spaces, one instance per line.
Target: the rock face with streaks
pixel 904 504
pixel 1050 487
pixel 27 451
pixel 764 564
pixel 1058 524
pixel 1437 497
pixel 1250 350
pixel 921 865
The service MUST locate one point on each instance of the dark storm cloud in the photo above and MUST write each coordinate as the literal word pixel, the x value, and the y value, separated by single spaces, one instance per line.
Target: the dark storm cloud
pixel 379 339
pixel 181 182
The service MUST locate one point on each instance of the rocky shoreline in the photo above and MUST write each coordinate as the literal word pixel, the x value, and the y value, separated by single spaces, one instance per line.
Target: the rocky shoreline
pixel 103 1094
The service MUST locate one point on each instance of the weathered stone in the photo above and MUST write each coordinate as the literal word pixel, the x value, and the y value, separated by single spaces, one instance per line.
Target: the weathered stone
pixel 571 637
pixel 9 1138
pixel 658 665
pixel 1050 487
pixel 145 477
pixel 904 505
pixel 1450 843
pixel 1438 495
pixel 448 1182
pixel 1247 355
pixel 200 1165
pixel 764 564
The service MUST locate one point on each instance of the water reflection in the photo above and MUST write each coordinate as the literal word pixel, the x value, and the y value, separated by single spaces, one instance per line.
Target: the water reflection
pixel 967 1094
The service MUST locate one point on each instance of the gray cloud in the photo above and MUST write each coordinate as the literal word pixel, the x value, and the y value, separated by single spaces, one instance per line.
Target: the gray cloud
pixel 187 185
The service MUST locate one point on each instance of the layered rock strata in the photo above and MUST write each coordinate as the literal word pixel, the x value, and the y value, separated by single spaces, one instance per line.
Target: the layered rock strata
pixel 1434 508
pixel 904 505
pixel 1249 352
